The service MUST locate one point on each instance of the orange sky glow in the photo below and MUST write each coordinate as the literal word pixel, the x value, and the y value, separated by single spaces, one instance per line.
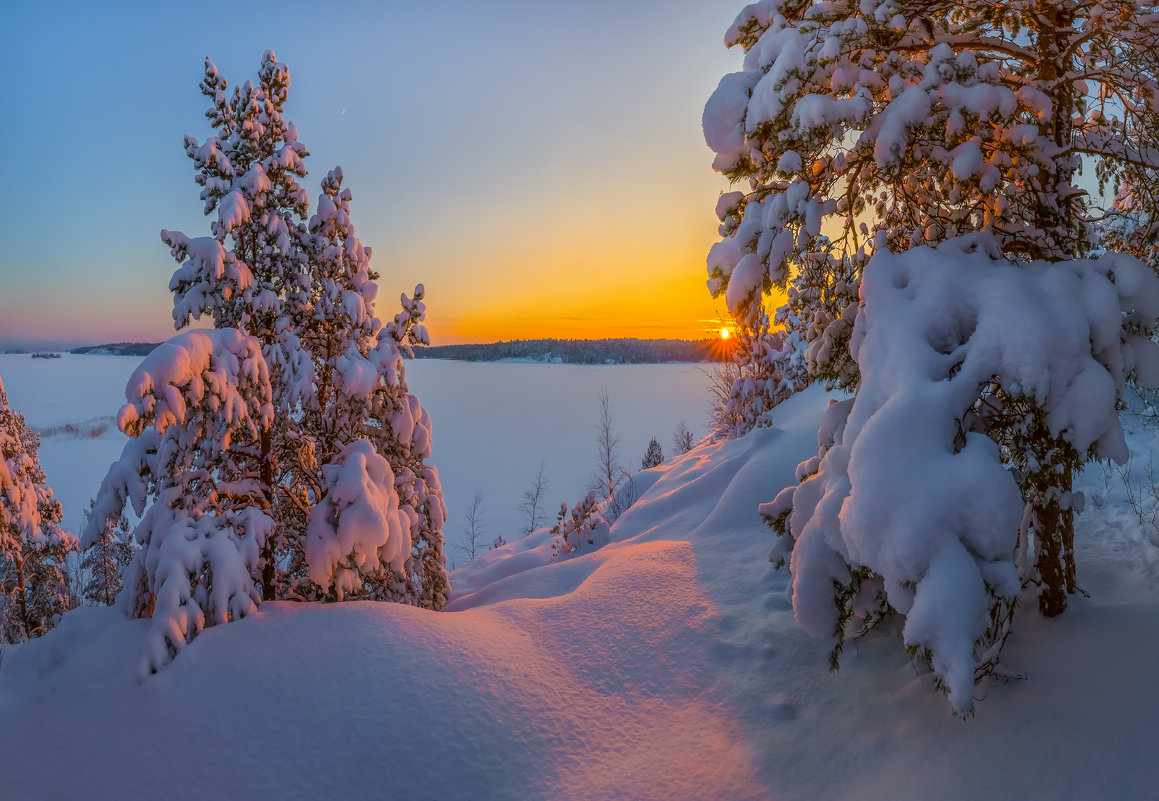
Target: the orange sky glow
pixel 536 190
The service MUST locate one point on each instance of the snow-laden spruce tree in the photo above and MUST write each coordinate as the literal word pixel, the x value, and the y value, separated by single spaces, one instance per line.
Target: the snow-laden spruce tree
pixel 197 491
pixel 105 560
pixel 654 456
pixel 33 584
pixel 305 290
pixel 875 128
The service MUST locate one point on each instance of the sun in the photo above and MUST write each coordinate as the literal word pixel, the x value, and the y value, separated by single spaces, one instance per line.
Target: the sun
pixel 724 334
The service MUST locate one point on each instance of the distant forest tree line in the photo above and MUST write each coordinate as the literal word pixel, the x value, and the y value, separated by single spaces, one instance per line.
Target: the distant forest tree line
pixel 580 351
pixel 566 351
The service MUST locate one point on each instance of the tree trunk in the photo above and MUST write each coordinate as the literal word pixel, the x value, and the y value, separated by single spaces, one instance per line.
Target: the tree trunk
pixel 1049 535
pixel 1053 517
pixel 20 589
pixel 1054 521
pixel 108 571
pixel 269 559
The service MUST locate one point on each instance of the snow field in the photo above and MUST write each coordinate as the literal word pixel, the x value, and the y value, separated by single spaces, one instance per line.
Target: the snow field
pixel 666 665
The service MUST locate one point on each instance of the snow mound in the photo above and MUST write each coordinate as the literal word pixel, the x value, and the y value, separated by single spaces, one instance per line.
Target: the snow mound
pixel 586 695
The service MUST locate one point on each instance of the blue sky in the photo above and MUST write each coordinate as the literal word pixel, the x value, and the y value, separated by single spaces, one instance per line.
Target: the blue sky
pixel 539 166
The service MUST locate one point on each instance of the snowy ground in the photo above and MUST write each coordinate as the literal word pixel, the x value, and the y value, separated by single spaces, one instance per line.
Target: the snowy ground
pixel 493 425
pixel 666 665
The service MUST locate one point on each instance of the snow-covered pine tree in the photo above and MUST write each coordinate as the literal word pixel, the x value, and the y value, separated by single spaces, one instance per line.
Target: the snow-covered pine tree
pixel 306 292
pixel 654 456
pixel 48 591
pixel 250 273
pixel 105 560
pixel 682 439
pixel 193 473
pixel 33 585
pixel 926 122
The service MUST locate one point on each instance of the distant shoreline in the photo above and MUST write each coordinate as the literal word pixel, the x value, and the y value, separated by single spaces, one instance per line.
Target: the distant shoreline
pixel 546 351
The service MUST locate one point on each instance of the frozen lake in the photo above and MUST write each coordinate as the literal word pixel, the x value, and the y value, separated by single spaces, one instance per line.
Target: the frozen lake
pixel 494 423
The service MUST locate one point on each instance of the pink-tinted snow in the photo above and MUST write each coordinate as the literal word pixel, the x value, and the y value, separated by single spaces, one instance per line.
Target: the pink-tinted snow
pixel 665 665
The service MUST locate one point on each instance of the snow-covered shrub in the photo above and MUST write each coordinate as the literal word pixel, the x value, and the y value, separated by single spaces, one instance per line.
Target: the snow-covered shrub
pixel 911 500
pixel 34 588
pixel 195 408
pixel 584 528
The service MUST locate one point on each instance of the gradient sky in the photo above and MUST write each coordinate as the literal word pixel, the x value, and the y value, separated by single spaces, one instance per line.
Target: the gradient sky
pixel 539 166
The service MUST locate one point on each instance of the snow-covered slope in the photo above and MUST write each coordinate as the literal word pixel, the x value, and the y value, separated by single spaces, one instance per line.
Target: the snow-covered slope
pixel 665 665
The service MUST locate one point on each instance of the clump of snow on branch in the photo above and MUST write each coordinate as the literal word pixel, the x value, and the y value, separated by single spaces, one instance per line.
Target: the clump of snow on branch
pixel 904 486
pixel 200 570
pixel 213 382
pixel 357 530
pixel 209 276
